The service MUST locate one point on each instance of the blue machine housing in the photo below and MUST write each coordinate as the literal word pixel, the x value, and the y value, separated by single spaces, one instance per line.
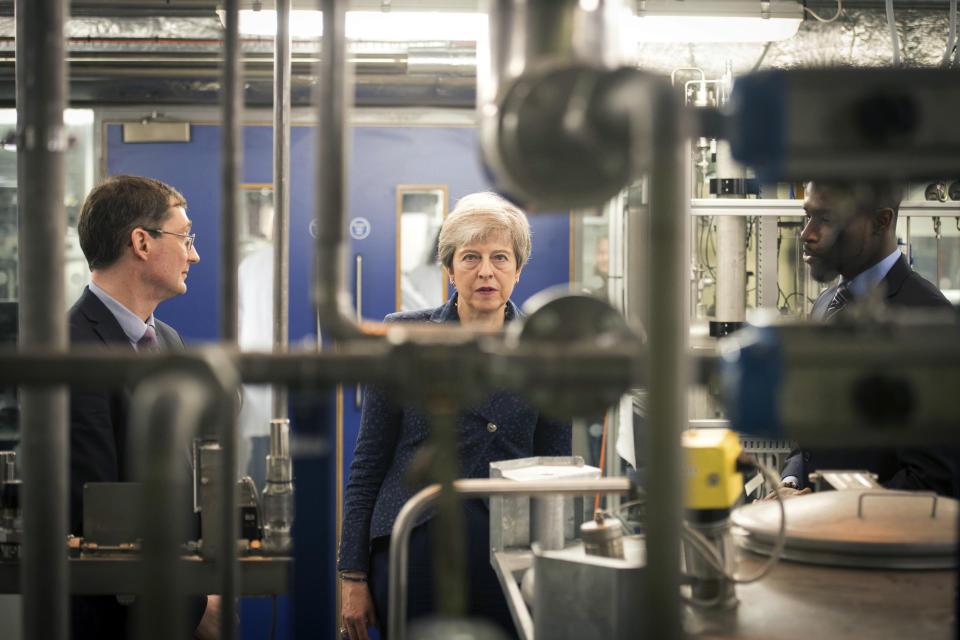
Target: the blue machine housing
pixel 756 124
pixel 752 371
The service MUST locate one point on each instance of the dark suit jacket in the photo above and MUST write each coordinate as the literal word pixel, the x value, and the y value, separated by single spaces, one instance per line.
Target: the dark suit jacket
pixel 903 467
pixel 904 286
pixel 98 453
pixel 98 419
pixel 503 428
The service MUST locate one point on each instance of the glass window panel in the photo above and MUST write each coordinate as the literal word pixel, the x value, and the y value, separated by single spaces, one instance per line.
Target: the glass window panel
pixel 421 281
pixel 79 176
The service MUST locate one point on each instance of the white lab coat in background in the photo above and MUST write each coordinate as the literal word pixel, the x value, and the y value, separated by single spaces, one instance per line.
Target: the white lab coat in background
pixel 255 314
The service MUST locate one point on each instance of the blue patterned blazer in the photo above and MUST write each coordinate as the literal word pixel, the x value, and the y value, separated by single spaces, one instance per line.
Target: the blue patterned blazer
pixel 503 428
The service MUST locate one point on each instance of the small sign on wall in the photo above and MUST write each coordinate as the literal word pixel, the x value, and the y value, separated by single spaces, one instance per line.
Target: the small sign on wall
pixel 156 132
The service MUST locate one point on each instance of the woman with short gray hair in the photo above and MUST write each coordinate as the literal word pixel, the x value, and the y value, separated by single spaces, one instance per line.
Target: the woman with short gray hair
pixel 484 244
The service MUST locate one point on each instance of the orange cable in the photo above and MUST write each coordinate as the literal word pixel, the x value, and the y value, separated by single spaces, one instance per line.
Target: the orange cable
pixel 603 451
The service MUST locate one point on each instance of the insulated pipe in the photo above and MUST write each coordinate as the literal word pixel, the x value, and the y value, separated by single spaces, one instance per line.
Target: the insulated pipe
pixel 41 84
pixel 229 264
pixel 281 194
pixel 667 362
pixel 330 280
pixel 468 488
pixel 731 300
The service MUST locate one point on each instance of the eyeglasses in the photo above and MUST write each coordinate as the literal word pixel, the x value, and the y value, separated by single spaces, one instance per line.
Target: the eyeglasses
pixel 188 243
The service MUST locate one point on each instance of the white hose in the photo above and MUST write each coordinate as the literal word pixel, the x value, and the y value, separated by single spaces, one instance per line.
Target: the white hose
pixel 951 34
pixel 893 34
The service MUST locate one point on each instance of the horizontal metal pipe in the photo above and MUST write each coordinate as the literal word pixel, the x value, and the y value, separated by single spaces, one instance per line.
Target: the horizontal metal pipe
pixel 110 573
pixel 86 368
pixel 467 488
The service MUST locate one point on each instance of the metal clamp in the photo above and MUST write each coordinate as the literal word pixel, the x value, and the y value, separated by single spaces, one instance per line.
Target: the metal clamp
pixel 889 494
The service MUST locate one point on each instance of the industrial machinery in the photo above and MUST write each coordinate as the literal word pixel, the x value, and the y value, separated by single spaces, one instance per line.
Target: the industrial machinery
pixel 107 558
pixel 563 124
pixel 278 494
pixel 566 578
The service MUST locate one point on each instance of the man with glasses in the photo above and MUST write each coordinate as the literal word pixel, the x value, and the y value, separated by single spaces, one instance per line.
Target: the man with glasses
pixel 135 235
pixel 851 231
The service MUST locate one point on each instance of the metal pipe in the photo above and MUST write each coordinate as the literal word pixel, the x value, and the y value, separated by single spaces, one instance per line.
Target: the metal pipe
pixel 731 300
pixel 668 364
pixel 231 160
pixel 41 81
pixel 229 328
pixel 368 362
pixel 449 558
pixel 731 246
pixel 468 488
pixel 281 194
pixel 330 283
pixel 166 412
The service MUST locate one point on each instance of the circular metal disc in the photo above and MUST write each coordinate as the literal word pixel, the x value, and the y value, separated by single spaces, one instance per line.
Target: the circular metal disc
pixel 872 528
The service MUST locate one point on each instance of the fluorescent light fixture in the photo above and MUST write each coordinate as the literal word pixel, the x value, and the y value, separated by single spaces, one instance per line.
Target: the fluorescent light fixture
pixel 716 20
pixel 71 117
pixel 393 26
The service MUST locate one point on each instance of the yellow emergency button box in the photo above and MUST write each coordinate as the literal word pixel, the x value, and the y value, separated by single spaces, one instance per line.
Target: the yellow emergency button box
pixel 713 481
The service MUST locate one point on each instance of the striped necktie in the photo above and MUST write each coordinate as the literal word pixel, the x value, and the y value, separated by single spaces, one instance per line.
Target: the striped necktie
pixel 148 342
pixel 840 300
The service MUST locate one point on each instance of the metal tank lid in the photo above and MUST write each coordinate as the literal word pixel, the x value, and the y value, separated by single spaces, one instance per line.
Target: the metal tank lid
pixel 874 528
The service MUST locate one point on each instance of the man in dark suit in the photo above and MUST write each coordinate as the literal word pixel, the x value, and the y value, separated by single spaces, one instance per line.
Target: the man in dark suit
pixel 850 231
pixel 135 235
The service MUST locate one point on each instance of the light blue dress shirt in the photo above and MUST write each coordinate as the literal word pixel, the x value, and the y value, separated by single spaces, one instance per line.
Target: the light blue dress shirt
pixel 131 324
pixel 861 284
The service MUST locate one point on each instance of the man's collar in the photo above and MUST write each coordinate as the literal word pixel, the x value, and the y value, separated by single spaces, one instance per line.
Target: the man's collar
pixel 131 324
pixel 864 282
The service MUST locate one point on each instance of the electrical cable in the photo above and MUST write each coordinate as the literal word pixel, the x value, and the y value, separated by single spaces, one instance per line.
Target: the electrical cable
pixel 603 451
pixel 777 550
pixel 951 34
pixel 763 54
pixel 835 16
pixel 713 557
pixel 894 38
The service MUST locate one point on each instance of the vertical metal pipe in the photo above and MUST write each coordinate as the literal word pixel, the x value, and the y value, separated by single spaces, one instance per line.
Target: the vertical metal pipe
pixel 281 194
pixel 731 247
pixel 330 280
pixel 731 268
pixel 166 412
pixel 667 361
pixel 449 557
pixel 229 214
pixel 230 174
pixel 41 84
